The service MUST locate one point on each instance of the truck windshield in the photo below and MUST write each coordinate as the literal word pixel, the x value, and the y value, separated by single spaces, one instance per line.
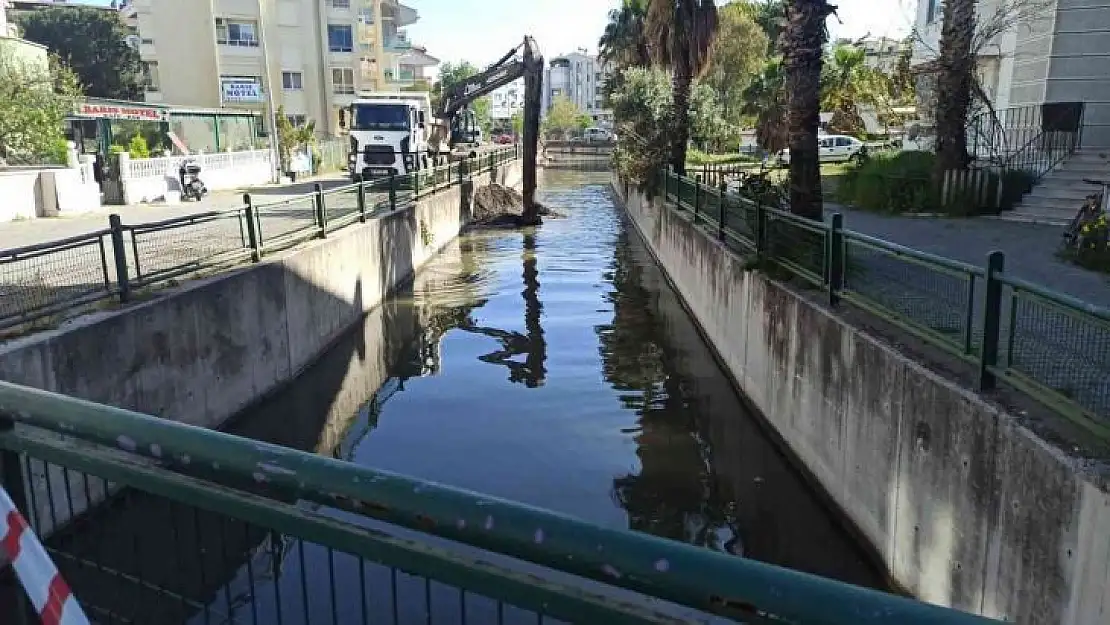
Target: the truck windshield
pixel 380 117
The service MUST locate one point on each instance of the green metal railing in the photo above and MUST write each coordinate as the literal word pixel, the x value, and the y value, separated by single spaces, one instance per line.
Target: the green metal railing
pixel 156 521
pixel 40 281
pixel 1048 345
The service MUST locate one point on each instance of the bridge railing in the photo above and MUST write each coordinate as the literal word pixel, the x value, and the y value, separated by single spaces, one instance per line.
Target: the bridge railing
pixel 1049 345
pixel 49 279
pixel 156 521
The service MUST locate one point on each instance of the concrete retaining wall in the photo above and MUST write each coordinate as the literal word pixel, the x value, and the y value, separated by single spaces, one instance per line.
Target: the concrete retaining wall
pixel 965 507
pixel 205 351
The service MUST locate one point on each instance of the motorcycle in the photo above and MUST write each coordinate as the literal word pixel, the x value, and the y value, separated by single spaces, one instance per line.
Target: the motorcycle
pixel 192 187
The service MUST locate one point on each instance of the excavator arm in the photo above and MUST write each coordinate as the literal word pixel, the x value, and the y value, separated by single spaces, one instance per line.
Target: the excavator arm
pixel 524 60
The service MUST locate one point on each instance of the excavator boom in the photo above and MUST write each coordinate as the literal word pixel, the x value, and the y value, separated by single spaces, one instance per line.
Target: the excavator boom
pixel 526 61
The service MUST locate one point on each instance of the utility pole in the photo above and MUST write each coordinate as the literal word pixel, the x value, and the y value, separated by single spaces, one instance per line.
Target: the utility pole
pixel 267 86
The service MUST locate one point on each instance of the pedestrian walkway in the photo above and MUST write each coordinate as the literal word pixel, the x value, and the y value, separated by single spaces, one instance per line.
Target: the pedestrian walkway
pixel 1030 248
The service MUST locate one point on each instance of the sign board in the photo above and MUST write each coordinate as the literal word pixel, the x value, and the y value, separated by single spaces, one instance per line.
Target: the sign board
pixel 122 111
pixel 240 90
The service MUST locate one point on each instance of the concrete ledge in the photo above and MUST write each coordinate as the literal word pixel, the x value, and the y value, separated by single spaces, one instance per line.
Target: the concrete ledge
pixel 205 351
pixel 965 506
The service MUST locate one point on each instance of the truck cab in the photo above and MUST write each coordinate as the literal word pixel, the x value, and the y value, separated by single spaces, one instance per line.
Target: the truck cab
pixel 388 134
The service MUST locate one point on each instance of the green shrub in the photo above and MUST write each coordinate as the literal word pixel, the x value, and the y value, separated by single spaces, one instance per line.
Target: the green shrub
pixel 695 156
pixel 138 148
pixel 58 152
pixel 891 183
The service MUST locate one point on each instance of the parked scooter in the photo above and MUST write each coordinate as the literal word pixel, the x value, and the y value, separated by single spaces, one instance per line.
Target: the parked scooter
pixel 192 187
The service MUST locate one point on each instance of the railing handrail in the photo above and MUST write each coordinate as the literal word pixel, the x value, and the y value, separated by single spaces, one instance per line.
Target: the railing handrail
pixel 55 243
pixel 703 579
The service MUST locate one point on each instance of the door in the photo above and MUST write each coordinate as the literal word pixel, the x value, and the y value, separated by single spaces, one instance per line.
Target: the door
pixel 843 148
pixel 826 149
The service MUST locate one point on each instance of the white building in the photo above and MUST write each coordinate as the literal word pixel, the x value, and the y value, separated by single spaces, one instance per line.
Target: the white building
pixel 579 77
pixel 508 100
pixel 316 54
pixel 1059 55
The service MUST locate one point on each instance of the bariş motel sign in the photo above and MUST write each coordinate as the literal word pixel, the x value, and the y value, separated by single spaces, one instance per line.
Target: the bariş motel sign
pixel 122 111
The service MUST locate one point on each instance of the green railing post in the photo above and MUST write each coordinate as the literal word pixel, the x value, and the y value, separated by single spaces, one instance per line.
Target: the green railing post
pixel 321 209
pixel 834 260
pixel 392 192
pixel 361 198
pixel 992 320
pixel 119 253
pixel 252 228
pixel 760 229
pixel 416 186
pixel 721 216
pixel 697 197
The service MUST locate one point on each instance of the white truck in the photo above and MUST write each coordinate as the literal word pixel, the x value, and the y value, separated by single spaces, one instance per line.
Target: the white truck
pixel 389 134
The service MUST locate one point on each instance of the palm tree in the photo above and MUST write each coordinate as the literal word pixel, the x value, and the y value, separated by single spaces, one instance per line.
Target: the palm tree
pixel 622 44
pixel 802 44
pixel 954 85
pixel 680 35
pixel 766 99
pixel 847 83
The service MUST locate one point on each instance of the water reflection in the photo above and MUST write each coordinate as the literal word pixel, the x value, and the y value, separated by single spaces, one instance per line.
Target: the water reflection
pixel 531 372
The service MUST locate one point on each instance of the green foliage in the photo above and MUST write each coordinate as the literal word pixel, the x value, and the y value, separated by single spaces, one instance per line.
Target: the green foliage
pixel 57 152
pixel 622 44
pixel 766 100
pixel 897 183
pixel 137 147
pixel 739 52
pixel 564 117
pixel 697 157
pixel 770 16
pixel 517 122
pixel 643 108
pixel 93 43
pixel 451 74
pixel 35 98
pixel 291 138
pixel 707 120
pixel 847 83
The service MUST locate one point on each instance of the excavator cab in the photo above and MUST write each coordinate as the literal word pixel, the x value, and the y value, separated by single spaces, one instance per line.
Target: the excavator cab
pixel 465 129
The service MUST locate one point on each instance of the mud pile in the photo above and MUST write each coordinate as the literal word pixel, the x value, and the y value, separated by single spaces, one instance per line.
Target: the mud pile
pixel 499 206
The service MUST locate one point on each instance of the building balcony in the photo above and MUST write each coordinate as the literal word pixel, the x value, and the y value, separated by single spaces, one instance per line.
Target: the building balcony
pixel 405 78
pixel 398 42
pixel 399 14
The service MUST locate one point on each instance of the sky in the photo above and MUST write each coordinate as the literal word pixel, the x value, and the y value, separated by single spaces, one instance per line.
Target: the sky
pixel 481 31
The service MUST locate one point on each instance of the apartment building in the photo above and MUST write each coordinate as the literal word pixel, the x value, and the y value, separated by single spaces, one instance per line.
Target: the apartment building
pixel 316 54
pixel 507 100
pixel 1058 54
pixel 579 77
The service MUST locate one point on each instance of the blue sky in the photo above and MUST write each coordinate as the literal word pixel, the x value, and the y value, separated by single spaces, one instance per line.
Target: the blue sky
pixel 480 31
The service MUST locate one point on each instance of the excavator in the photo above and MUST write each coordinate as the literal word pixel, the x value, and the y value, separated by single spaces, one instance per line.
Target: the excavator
pixel 457 126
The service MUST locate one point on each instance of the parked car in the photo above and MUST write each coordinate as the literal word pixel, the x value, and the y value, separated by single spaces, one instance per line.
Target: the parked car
pixel 503 139
pixel 597 134
pixel 832 149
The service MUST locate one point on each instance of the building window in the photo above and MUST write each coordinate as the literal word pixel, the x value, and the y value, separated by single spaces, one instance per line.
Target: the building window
pixel 237 33
pixel 343 80
pixel 340 4
pixel 932 9
pixel 366 16
pixel 146 42
pixel 150 76
pixel 298 121
pixel 340 38
pixel 292 81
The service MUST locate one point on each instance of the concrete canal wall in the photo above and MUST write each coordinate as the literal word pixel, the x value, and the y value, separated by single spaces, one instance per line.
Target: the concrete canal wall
pixel 202 352
pixel 964 506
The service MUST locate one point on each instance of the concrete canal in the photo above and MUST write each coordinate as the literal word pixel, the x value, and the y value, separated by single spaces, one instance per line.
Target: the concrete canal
pixel 554 367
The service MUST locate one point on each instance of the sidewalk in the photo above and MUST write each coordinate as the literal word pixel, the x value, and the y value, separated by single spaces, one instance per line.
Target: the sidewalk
pixel 23 233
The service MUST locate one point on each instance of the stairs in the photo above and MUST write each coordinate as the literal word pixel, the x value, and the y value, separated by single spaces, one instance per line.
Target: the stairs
pixel 1058 196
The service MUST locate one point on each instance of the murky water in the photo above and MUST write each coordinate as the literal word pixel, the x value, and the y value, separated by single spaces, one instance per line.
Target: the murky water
pixel 553 367
pixel 557 368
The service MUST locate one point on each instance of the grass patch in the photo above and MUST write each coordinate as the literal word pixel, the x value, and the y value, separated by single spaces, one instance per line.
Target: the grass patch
pixel 695 156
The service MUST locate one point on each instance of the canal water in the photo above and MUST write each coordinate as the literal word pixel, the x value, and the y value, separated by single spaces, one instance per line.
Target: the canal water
pixel 553 367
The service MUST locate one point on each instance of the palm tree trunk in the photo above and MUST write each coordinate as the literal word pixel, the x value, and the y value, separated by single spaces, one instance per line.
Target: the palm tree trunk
pixel 954 85
pixel 681 133
pixel 803 40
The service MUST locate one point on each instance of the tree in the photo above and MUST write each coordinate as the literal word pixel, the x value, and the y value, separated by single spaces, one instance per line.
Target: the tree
pixel 91 42
pixel 770 16
pixel 451 74
pixel 291 137
pixel 35 98
pixel 623 44
pixel 707 119
pixel 956 66
pixel 848 83
pixel 563 117
pixel 765 99
pixel 517 120
pixel 739 51
pixel 680 35
pixel 802 45
pixel 643 107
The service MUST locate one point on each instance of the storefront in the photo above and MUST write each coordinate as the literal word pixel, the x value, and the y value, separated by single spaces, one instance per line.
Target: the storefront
pixel 103 126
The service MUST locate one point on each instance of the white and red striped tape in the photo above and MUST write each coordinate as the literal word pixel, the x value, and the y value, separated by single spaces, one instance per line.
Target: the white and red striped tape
pixel 44 585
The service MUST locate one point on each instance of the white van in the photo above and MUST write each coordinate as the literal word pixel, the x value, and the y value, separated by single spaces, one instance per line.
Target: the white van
pixel 599 135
